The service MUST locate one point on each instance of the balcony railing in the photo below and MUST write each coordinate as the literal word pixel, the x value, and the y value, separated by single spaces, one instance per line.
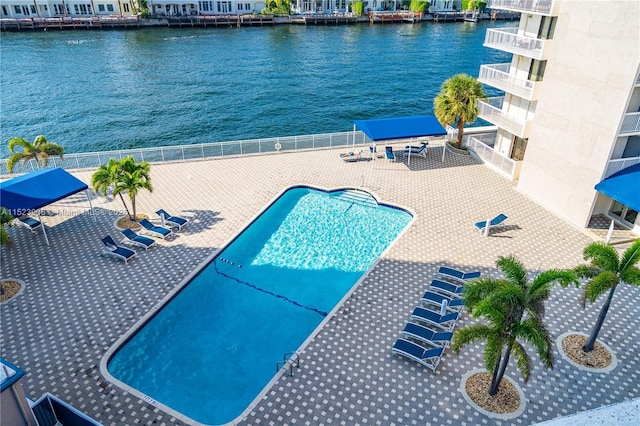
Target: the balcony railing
pixel 501 163
pixel 83 160
pixel 497 75
pixel 491 110
pixel 534 6
pixel 630 123
pixel 614 166
pixel 507 39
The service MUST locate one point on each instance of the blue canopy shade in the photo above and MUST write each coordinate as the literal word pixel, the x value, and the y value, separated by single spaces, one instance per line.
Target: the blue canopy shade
pixel 623 187
pixel 38 189
pixel 400 128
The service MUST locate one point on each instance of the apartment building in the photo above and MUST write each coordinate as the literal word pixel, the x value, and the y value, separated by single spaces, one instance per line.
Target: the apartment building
pixel 570 115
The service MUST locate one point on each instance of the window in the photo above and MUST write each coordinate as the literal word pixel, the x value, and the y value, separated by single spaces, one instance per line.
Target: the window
pixel 101 8
pixel 536 70
pixel 83 9
pixel 18 10
pixel 239 6
pixel 247 6
pixel 75 8
pixel 125 7
pixel 547 27
pixel 110 7
pixel 518 148
pixel 627 214
pixel 33 9
pixel 4 11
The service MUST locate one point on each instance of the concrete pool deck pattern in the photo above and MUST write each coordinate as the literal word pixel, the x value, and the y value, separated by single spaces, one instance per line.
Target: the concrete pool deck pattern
pixel 76 304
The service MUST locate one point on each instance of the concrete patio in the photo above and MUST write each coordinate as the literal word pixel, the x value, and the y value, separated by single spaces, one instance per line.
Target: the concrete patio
pixel 76 304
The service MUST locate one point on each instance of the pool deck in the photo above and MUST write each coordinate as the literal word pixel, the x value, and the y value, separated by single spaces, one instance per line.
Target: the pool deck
pixel 76 304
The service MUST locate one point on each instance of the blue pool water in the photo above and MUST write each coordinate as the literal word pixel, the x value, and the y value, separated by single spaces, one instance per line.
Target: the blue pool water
pixel 211 350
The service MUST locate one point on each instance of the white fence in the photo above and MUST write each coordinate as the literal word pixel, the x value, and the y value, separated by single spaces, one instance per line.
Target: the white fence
pixel 83 160
pixel 501 163
pixel 618 164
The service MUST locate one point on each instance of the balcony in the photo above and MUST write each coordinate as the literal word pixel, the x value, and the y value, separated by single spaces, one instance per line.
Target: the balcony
pixel 491 110
pixel 543 7
pixel 497 75
pixel 502 164
pixel 614 166
pixel 508 40
pixel 630 124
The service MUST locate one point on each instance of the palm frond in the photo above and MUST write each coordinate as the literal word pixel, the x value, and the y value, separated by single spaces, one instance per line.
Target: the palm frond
pixel 631 256
pixel 631 276
pixel 587 271
pixel 603 256
pixel 513 270
pixel 523 361
pixel 533 331
pixel 492 351
pixel 550 277
pixel 471 333
pixel 478 289
pixel 599 285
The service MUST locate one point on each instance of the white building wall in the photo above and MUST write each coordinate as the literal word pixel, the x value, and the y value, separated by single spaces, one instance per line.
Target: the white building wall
pixel 26 9
pixel 587 84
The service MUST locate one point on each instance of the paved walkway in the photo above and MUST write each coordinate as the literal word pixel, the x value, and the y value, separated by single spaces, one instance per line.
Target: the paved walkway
pixel 76 303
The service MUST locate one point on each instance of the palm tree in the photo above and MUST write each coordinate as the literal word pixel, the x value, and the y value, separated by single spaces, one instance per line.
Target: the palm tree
pixel 39 150
pixel 5 219
pixel 134 177
pixel 124 176
pixel 456 102
pixel 513 308
pixel 605 271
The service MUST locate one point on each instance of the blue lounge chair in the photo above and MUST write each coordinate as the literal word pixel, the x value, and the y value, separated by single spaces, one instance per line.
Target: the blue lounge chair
pixel 117 251
pixel 388 152
pixel 496 221
pixel 416 150
pixel 449 289
pixel 173 221
pixel 30 223
pixel 156 231
pixel 427 335
pixel 456 275
pixel 429 357
pixel 446 321
pixel 436 299
pixel 134 239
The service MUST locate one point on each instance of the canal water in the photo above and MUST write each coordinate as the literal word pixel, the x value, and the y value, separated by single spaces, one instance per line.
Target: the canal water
pixel 103 90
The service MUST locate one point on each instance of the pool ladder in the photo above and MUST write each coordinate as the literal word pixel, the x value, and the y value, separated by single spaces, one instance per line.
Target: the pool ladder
pixel 292 359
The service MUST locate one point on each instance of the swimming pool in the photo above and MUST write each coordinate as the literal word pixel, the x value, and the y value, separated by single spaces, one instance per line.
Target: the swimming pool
pixel 210 350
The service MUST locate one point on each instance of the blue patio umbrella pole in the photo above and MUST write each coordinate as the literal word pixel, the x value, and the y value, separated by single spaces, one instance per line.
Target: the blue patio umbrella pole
pixel 44 232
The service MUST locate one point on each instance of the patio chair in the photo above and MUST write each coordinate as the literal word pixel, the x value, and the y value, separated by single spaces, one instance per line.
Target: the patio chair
pixel 436 299
pixel 456 275
pixel 30 223
pixel 426 334
pixel 446 288
pixel 172 221
pixel 416 150
pixel 388 152
pixel 117 251
pixel 130 237
pixel 153 230
pixel 496 221
pixel 429 357
pixel 446 321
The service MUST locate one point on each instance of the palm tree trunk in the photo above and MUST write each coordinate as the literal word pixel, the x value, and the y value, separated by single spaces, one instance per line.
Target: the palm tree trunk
pixel 591 342
pixel 498 373
pixel 460 132
pixel 133 203
pixel 125 206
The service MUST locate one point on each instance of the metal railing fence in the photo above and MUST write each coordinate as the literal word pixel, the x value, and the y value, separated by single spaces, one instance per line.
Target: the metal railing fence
pixel 503 164
pixel 86 160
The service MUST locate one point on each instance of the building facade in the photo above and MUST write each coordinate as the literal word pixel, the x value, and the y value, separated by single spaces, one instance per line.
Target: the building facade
pixel 570 114
pixel 28 9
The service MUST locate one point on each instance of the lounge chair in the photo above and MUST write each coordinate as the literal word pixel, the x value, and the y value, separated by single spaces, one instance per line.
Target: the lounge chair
pixel 429 357
pixel 456 275
pixel 173 221
pixel 351 156
pixel 134 239
pixel 156 231
pixel 388 152
pixel 436 299
pixel 416 150
pixel 30 223
pixel 496 221
pixel 449 289
pixel 117 251
pixel 446 321
pixel 427 335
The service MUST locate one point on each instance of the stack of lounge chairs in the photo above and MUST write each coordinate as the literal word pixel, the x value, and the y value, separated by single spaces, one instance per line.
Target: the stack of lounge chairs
pixel 130 237
pixel 430 327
